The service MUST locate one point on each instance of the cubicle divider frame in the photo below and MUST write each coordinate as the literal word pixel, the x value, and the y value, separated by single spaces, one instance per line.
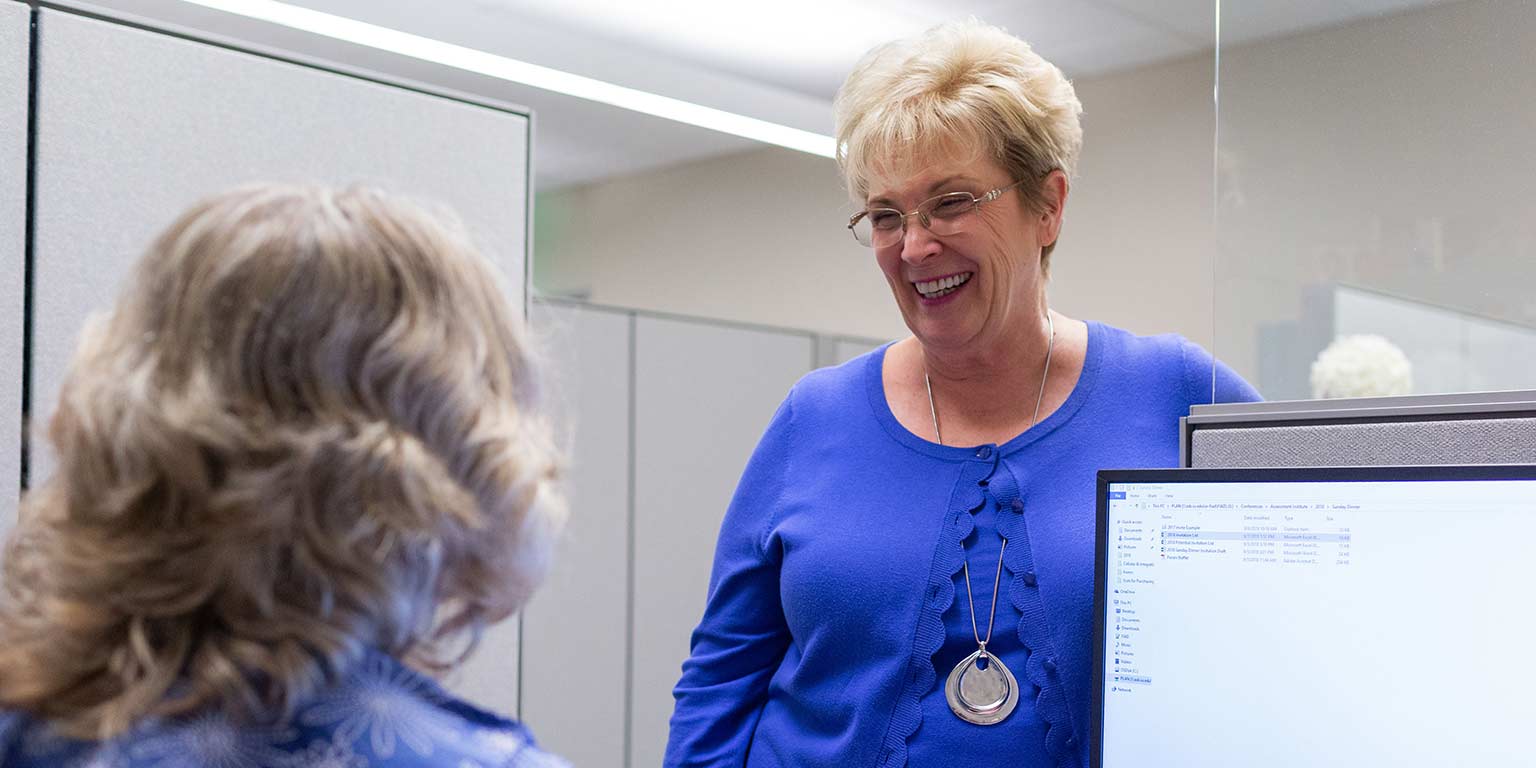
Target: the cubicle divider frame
pixel 1463 428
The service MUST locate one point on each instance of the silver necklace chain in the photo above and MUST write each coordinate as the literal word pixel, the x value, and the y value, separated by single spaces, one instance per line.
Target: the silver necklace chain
pixel 996 580
pixel 1050 346
pixel 965 561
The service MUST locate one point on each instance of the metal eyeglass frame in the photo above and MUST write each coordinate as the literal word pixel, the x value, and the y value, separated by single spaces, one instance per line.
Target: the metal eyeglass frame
pixel 923 210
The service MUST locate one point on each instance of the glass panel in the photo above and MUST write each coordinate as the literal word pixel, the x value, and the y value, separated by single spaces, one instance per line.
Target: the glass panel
pixel 1376 176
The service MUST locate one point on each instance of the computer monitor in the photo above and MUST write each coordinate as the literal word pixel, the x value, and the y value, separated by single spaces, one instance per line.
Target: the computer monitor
pixel 1316 617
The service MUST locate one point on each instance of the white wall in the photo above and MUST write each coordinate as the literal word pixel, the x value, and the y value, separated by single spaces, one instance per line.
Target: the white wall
pixel 757 237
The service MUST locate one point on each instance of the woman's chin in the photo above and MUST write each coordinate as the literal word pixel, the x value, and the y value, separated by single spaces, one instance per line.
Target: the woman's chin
pixel 941 333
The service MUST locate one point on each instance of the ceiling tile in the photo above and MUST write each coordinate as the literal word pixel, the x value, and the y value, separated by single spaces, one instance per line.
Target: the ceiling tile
pixel 1193 20
pixel 1243 22
pixel 804 45
pixel 1384 7
pixel 1085 38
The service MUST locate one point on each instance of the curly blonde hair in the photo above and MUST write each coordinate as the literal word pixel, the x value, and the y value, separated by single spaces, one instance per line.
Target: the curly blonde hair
pixel 310 427
pixel 962 85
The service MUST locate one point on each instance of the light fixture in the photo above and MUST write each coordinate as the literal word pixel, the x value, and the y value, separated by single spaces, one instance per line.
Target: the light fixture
pixel 512 70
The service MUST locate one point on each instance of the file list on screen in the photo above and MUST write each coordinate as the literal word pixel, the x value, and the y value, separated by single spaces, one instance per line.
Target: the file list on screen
pixel 1293 624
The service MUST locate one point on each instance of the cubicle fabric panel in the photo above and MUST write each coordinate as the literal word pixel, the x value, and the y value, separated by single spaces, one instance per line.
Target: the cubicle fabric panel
pixel 133 126
pixel 1458 441
pixel 576 630
pixel 836 350
pixel 847 349
pixel 15 50
pixel 703 396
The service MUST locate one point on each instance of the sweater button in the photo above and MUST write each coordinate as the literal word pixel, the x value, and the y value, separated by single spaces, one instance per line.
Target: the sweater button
pixel 984 452
pixel 1071 742
pixel 1029 578
pixel 1017 505
pixel 1049 664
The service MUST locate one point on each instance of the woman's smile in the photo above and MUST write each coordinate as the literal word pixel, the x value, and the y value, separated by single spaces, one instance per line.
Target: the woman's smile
pixel 941 289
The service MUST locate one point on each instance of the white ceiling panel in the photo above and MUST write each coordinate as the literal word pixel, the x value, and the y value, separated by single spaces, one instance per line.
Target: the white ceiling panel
pixel 1086 38
pixel 1192 20
pixel 577 142
pixel 773 42
pixel 1243 22
pixel 1384 7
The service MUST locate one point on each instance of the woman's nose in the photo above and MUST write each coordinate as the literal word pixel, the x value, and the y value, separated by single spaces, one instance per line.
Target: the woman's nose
pixel 917 242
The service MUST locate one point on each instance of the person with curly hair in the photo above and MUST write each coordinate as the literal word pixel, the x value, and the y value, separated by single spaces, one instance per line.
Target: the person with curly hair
pixel 301 465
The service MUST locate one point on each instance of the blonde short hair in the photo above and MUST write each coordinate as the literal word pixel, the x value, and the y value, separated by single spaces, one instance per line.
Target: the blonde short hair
pixel 963 85
pixel 309 427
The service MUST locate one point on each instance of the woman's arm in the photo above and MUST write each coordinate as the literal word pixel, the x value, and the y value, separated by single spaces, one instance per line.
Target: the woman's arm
pixel 742 638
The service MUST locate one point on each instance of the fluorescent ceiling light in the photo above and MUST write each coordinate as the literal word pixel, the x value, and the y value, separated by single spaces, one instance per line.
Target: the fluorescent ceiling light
pixel 512 70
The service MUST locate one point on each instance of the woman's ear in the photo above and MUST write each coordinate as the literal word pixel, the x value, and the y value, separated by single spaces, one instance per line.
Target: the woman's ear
pixel 1053 205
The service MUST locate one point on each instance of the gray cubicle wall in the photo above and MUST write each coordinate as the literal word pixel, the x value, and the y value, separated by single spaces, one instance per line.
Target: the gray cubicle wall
pixel 15 50
pixel 703 396
pixel 1467 428
pixel 575 631
pixel 134 125
pixel 662 414
pixel 835 350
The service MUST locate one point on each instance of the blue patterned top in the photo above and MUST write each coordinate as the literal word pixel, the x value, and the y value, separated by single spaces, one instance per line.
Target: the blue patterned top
pixel 382 715
pixel 837 605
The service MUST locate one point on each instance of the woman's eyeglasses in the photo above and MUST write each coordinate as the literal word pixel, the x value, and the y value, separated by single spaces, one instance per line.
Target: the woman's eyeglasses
pixel 942 215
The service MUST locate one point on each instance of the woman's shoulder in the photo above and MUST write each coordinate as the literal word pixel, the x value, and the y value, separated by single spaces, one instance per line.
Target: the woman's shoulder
pixel 1174 358
pixel 379 713
pixel 1159 348
pixel 383 711
pixel 826 393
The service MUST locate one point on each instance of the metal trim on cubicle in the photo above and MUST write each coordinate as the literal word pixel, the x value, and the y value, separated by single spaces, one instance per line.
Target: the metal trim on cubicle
pixel 1519 404
pixel 16 393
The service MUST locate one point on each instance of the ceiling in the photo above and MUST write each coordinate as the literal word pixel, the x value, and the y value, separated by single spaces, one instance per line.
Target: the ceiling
pixel 808 46
pixel 781 61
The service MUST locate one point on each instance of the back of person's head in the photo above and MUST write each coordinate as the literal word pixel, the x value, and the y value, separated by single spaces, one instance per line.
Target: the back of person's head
pixel 309 428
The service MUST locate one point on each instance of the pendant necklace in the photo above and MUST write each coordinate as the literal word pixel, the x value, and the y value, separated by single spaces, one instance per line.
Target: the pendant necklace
pixel 981 689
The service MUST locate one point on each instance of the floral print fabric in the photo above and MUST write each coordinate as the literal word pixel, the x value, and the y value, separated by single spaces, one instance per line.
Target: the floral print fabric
pixel 382 715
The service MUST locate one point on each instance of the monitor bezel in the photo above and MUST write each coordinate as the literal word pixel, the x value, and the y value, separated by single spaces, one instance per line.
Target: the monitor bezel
pixel 1392 473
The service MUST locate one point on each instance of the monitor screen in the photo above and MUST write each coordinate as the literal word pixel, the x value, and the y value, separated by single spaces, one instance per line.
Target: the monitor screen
pixel 1311 617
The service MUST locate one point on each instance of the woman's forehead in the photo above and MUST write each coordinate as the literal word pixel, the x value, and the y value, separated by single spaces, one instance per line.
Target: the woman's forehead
pixel 925 173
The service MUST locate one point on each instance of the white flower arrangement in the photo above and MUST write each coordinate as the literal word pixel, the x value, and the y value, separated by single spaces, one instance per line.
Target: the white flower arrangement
pixel 1362 365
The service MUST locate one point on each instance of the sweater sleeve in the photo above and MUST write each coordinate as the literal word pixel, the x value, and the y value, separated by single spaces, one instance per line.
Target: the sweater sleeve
pixel 742 638
pixel 1199 367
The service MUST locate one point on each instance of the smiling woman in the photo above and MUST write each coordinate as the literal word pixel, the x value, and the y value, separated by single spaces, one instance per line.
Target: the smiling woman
pixel 844 623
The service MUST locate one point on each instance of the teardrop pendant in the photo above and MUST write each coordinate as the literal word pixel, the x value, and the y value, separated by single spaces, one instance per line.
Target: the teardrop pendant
pixel 981 689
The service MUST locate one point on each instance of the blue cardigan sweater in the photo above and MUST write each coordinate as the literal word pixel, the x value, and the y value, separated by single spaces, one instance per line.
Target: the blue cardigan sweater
pixel 837 604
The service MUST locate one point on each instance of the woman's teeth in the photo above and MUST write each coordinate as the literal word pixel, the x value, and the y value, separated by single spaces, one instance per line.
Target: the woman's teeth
pixel 933 289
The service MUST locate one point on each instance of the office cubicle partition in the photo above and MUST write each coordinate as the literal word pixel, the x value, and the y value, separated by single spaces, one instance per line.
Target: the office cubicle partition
pixel 1465 428
pixel 131 125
